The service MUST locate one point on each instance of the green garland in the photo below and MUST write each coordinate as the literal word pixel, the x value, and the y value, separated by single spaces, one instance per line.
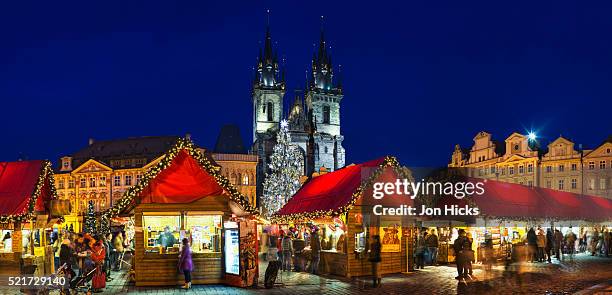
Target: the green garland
pixel 182 144
pixel 389 161
pixel 28 213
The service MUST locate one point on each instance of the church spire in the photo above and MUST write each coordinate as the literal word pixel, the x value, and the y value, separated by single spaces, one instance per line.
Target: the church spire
pixel 267 65
pixel 322 71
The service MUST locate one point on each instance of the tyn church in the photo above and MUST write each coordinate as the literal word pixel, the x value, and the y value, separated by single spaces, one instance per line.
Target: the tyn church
pixel 314 119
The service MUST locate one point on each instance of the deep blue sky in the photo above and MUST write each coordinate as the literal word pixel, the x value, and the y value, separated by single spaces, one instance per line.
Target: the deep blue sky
pixel 418 76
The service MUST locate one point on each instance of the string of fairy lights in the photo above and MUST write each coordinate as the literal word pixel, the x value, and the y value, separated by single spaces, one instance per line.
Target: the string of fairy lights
pixel 389 161
pixel 46 173
pixel 182 144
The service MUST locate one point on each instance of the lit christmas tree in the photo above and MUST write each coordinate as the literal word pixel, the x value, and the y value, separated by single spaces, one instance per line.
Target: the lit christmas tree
pixel 104 225
pixel 286 165
pixel 90 219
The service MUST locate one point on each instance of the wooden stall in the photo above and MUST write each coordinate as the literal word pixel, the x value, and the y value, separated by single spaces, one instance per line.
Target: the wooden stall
pixel 341 204
pixel 26 191
pixel 184 196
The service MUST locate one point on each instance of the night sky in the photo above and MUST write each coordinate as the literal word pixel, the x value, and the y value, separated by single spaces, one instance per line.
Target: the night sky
pixel 418 76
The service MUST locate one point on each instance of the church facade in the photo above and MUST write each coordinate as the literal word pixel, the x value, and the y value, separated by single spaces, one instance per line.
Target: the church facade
pixel 313 116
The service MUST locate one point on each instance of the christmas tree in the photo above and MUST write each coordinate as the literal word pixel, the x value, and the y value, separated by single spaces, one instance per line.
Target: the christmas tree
pixel 286 167
pixel 90 219
pixel 104 225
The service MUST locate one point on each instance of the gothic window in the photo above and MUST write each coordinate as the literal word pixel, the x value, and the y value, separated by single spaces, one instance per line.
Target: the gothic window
pixel 270 111
pixel 326 114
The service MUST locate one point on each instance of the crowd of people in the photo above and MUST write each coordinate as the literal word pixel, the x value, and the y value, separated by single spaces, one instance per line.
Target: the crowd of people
pixel 84 257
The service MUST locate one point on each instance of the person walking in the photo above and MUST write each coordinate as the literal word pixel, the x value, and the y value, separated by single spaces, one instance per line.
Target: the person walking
pixel 458 246
pixel 550 241
pixel 118 247
pixel 432 245
pixel 287 245
pixel 375 259
pixel 185 264
pixel 541 243
pixel 468 272
pixel 558 238
pixel 420 250
pixel 532 245
pixel 594 241
pixel 315 249
pixel 570 239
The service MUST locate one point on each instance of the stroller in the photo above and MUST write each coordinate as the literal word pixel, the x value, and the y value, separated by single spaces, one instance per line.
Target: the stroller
pixel 80 282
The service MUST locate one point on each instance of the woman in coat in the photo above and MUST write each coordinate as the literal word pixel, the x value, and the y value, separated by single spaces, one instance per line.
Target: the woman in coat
pixel 186 263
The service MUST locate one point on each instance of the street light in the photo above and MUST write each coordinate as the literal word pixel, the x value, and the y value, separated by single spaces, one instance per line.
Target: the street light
pixel 532 135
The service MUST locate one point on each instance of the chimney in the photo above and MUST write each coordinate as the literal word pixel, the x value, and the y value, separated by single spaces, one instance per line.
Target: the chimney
pixel 91 141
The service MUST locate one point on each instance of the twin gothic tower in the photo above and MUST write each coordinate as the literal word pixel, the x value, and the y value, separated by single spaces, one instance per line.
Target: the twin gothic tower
pixel 314 119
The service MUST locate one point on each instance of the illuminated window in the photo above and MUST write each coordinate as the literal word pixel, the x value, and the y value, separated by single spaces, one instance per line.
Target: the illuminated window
pixel 82 182
pixel 530 168
pixel 561 168
pixel 102 181
pixel 128 180
pixel 138 178
pixel 161 233
pixel 591 165
pixel 60 184
pixel 92 182
pixel 117 180
pixel 602 165
pixel 245 180
pixel 71 183
pixel 521 169
pixel 561 182
pixel 205 232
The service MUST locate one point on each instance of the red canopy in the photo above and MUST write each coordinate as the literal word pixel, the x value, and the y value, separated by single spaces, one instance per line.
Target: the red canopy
pixel 502 199
pixel 20 184
pixel 184 181
pixel 332 191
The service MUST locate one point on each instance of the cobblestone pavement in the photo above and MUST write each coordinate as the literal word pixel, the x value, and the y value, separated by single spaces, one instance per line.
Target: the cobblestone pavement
pixel 564 277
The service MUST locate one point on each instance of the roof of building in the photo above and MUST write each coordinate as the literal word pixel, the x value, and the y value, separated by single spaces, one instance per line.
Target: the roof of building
pixel 229 141
pixel 25 186
pixel 146 147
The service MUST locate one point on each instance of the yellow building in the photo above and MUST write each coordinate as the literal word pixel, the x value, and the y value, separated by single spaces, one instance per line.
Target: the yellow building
pixel 519 160
pixel 104 170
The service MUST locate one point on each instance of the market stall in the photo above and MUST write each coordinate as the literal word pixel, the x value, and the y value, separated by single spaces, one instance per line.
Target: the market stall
pixel 26 191
pixel 184 196
pixel 340 205
pixel 508 211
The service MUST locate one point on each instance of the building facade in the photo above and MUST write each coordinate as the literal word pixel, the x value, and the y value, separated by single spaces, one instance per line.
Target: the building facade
pixel 313 116
pixel 560 166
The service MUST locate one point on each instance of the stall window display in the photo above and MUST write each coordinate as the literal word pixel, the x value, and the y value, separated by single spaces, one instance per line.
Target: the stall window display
pixel 204 232
pixel 162 233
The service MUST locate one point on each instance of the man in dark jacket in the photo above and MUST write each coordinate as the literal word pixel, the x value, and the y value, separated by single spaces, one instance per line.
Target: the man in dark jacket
pixel 108 246
pixel 432 245
pixel 532 245
pixel 460 256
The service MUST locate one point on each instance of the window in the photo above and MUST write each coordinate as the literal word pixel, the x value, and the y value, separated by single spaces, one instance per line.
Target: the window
pixel 548 184
pixel 602 184
pixel 591 165
pixel 510 170
pixel 60 184
pixel 117 180
pixel 592 183
pixel 270 112
pixel 128 180
pixel 102 181
pixel 574 183
pixel 205 232
pixel 82 182
pixel 602 165
pixel 66 164
pixel 138 178
pixel 71 183
pixel 574 167
pixel 161 233
pixel 521 169
pixel 548 169
pixel 245 180
pixel 561 184
pixel 530 168
pixel 561 168
pixel 92 182
pixel 326 114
